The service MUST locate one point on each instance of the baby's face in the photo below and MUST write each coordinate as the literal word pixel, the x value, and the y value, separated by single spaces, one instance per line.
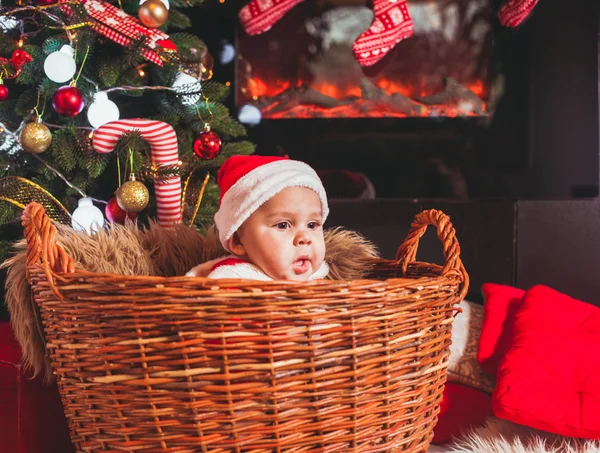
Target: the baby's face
pixel 284 237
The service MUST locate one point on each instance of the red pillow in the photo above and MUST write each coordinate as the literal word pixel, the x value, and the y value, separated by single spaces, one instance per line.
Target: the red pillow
pixel 461 408
pixel 500 305
pixel 550 377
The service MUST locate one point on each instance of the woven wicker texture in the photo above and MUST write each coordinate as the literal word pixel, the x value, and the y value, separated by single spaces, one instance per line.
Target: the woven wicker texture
pixel 156 365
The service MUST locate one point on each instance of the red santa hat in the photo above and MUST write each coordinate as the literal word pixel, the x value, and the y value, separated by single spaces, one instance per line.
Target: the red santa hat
pixel 247 182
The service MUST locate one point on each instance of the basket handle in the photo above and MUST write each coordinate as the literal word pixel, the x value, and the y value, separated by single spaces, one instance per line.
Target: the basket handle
pixel 42 248
pixel 407 251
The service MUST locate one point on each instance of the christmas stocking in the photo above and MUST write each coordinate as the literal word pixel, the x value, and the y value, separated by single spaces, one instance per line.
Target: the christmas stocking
pixel 515 12
pixel 392 23
pixel 260 15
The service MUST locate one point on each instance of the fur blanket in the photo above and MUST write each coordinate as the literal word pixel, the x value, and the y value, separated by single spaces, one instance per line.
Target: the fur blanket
pixel 147 251
pixel 502 436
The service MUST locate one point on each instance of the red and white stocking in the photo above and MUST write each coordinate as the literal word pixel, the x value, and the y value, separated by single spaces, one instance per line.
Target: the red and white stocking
pixel 515 12
pixel 260 15
pixel 392 23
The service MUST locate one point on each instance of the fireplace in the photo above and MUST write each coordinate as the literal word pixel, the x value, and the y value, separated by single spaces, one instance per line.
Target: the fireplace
pixel 521 134
pixel 304 66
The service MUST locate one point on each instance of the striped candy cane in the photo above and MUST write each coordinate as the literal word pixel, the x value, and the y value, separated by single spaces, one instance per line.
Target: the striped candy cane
pixel 163 145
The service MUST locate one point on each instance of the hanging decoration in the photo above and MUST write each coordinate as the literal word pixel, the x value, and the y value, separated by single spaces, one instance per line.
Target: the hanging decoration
pixel 8 23
pixel 163 146
pixel 188 87
pixel 258 16
pixel 35 137
pixel 115 214
pixel 20 192
pixel 87 217
pixel 118 26
pixel 391 24
pixel 68 101
pixel 153 13
pixel 208 144
pixel 3 91
pixel 514 12
pixel 10 68
pixel 102 110
pixel 60 66
pixel 132 195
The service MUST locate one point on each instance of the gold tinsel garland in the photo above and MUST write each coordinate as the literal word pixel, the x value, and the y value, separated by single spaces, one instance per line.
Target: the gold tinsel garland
pixel 20 192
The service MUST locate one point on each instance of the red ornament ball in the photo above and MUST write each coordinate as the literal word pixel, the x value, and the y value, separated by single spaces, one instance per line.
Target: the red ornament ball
pixel 115 214
pixel 3 92
pixel 208 145
pixel 67 101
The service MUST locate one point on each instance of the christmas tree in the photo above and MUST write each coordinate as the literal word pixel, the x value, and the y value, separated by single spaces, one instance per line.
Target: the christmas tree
pixel 69 70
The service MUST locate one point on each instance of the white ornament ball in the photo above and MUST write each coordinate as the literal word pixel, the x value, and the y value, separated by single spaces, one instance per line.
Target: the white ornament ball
pixel 189 87
pixel 102 110
pixel 227 53
pixel 60 66
pixel 165 2
pixel 87 217
pixel 250 115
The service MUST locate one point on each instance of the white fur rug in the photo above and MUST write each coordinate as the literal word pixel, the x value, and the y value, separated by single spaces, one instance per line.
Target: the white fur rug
pixel 501 436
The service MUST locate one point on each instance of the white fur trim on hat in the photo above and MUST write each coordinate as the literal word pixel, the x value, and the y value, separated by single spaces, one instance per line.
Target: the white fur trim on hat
pixel 258 186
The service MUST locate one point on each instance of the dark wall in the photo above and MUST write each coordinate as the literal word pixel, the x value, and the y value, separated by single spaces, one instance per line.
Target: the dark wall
pixel 564 98
pixel 558 244
pixel 485 231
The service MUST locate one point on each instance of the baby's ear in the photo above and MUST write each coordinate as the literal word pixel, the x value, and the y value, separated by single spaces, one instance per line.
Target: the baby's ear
pixel 236 246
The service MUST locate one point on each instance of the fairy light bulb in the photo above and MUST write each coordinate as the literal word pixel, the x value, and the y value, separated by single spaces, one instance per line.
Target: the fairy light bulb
pixel 87 217
pixel 60 66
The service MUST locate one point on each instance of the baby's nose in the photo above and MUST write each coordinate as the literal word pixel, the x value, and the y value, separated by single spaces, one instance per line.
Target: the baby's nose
pixel 303 238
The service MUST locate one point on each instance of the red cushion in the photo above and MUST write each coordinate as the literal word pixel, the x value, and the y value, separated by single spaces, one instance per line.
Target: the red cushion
pixel 500 305
pixel 31 415
pixel 550 377
pixel 461 408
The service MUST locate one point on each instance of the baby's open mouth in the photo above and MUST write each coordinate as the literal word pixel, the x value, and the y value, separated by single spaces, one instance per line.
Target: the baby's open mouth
pixel 301 265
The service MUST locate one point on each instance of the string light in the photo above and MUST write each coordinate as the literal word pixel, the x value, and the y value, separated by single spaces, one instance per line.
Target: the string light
pixel 20 42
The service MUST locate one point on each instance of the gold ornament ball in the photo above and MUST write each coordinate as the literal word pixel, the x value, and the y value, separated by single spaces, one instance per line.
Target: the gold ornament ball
pixel 35 138
pixel 132 196
pixel 153 13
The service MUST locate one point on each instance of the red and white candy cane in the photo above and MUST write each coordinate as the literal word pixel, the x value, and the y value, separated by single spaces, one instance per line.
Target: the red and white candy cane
pixel 163 145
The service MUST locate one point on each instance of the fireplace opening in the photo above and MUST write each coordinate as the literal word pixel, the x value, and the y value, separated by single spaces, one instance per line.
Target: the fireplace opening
pixel 305 68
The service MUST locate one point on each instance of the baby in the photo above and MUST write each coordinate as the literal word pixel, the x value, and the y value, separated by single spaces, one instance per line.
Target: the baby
pixel 270 219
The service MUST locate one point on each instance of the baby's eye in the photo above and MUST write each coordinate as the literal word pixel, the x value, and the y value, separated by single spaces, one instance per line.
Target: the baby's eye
pixel 283 225
pixel 313 225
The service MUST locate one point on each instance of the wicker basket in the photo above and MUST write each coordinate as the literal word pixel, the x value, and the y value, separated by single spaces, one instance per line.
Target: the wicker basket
pixel 177 364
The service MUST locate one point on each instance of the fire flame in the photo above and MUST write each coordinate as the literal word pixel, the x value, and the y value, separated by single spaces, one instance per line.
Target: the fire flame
pixel 267 93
